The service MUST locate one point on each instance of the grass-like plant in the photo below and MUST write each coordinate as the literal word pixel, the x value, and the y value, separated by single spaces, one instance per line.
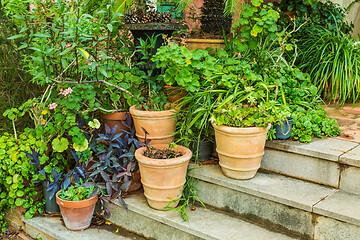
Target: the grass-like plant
pixel 332 58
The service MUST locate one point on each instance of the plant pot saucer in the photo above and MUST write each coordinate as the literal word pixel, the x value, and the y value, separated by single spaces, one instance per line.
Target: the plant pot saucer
pixel 155 26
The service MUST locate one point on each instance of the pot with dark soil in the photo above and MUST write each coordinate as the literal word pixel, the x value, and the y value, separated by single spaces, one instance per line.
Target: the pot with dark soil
pixel 163 173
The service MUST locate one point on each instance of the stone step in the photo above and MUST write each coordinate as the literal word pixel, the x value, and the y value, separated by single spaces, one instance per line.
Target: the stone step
pixel 203 223
pixel 304 209
pixel 51 228
pixel 332 162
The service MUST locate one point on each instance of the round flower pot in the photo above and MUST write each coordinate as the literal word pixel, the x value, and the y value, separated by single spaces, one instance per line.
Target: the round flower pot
pixel 197 43
pixel 163 179
pixel 159 124
pixel 77 215
pixel 240 150
pixel 50 205
pixel 113 119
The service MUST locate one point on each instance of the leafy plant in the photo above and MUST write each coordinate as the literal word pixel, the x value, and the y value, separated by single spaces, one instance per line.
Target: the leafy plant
pixel 184 68
pixel 312 122
pixel 16 173
pixel 249 116
pixel 52 180
pixel 77 193
pixel 113 170
pixel 333 61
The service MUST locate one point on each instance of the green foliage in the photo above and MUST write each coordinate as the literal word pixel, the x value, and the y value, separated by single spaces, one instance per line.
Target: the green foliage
pixel 315 13
pixel 184 68
pixel 256 23
pixel 16 174
pixel 332 58
pixel 237 115
pixel 14 86
pixel 76 193
pixel 312 122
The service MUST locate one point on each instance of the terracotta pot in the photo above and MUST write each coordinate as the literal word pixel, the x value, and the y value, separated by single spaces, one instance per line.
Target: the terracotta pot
pixel 163 179
pixel 77 215
pixel 113 119
pixel 195 43
pixel 159 124
pixel 174 93
pixel 240 150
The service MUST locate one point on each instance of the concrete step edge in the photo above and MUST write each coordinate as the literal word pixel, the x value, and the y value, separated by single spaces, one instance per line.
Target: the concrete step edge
pixel 202 222
pixel 303 195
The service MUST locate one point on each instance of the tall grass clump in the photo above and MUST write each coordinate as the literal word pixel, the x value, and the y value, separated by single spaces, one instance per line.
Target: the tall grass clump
pixel 332 58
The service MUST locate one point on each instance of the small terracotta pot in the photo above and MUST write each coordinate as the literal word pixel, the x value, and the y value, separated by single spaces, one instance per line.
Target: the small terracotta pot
pixel 196 43
pixel 116 118
pixel 77 215
pixel 163 179
pixel 159 124
pixel 174 93
pixel 240 150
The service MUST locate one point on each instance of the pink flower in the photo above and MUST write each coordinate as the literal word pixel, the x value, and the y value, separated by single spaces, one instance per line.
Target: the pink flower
pixel 66 91
pixel 68 45
pixel 52 106
pixel 89 63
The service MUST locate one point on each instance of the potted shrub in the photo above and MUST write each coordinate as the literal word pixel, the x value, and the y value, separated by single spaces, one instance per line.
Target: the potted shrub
pixel 240 135
pixel 163 173
pixel 77 206
pixel 153 111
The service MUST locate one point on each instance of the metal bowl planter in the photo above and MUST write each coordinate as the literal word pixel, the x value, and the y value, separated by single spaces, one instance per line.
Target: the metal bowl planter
pixel 163 179
pixel 240 149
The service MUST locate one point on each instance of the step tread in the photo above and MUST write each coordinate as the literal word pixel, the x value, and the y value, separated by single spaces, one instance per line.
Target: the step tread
pixel 311 197
pixel 289 191
pixel 203 223
pixel 351 157
pixel 325 148
pixel 55 228
pixel 340 205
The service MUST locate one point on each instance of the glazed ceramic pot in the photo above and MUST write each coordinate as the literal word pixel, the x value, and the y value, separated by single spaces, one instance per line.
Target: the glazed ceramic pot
pixel 283 129
pixel 163 179
pixel 116 118
pixel 77 215
pixel 240 150
pixel 159 124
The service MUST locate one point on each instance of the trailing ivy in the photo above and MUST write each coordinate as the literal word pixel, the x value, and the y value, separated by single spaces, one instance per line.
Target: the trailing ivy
pixel 16 189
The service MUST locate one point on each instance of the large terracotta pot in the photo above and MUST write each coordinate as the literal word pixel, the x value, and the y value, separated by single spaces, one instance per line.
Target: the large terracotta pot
pixel 240 150
pixel 159 124
pixel 116 118
pixel 77 215
pixel 163 179
pixel 174 93
pixel 195 43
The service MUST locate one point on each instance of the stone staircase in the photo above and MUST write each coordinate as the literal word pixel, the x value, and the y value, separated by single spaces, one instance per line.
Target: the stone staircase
pixel 303 191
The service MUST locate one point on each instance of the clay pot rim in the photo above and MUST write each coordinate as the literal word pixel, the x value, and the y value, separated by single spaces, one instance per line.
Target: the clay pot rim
pixel 136 112
pixel 114 115
pixel 76 204
pixel 187 154
pixel 239 130
pixel 203 40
